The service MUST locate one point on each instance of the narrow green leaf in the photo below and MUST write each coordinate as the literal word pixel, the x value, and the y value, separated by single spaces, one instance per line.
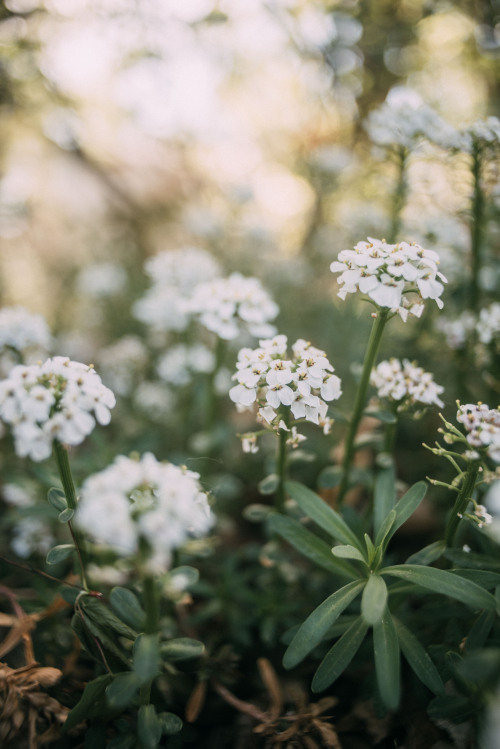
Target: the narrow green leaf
pixel 181 649
pixel 455 708
pixel 92 695
pixel 479 631
pixel 59 553
pixel 257 513
pixel 444 582
pixel 384 497
pixel 374 599
pixel 387 417
pixel 149 727
pixel 126 606
pixel 146 661
pixel 99 613
pixel 57 499
pixel 418 658
pixel 66 515
pixel 123 690
pixel 170 723
pixel 386 652
pixel 483 578
pixel 330 477
pixel 322 514
pixel 317 623
pixel 349 552
pixel 339 656
pixel 428 554
pixel 269 484
pixel 384 530
pixel 407 506
pixel 472 561
pixel 88 631
pixel 370 548
pixel 309 545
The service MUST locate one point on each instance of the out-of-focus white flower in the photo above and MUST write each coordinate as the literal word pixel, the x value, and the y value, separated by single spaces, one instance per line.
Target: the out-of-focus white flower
pixel 230 306
pixel 180 362
pixel 173 274
pixel 31 535
pixel 480 135
pixel 457 332
pixel 57 400
pixel 405 384
pixel 249 443
pixel 387 273
pixel 488 325
pixel 482 426
pixel 154 400
pixel 101 280
pixel 144 507
pixel 274 381
pixel 17 495
pixel 122 363
pixel 24 338
pixel 405 120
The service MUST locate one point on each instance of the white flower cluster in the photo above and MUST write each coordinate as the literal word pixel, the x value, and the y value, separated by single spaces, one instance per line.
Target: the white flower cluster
pixel 24 338
pixel 387 272
pixel 267 377
pixel 488 326
pixel 457 332
pixel 57 400
pixel 406 384
pixel 174 274
pixel 404 120
pixel 481 134
pixel 180 362
pixel 137 503
pixel 123 363
pixel 101 280
pixel 482 425
pixel 229 306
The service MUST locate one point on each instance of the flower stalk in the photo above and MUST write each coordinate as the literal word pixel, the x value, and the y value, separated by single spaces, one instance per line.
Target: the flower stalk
pixel 399 196
pixel 281 467
pixel 152 624
pixel 462 501
pixel 372 348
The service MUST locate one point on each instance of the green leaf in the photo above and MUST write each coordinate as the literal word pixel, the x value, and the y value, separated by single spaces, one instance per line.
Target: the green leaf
pixel 339 656
pixel 384 530
pixel 92 695
pixel 122 742
pixel 483 578
pixel 126 606
pixel 269 484
pixel 446 583
pixel 472 561
pixel 387 417
pixel 428 554
pixel 149 727
pixel 407 506
pixel 348 552
pixel 386 652
pixel 59 553
pixel 123 690
pixel 322 514
pixel 309 545
pixel 57 499
pixel 183 577
pixel 330 477
pixel 418 658
pixel 66 515
pixel 146 662
pixel 99 613
pixel 317 623
pixel 170 723
pixel 478 634
pixel 384 498
pixel 374 599
pixel 453 708
pixel 181 649
pixel 256 513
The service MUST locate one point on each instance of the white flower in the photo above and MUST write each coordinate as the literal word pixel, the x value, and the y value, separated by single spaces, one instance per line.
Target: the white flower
pixel 144 507
pixel 480 135
pixel 482 426
pixel 406 384
pixel 295 438
pixel 101 280
pixel 57 400
pixel 457 332
pixel 24 338
pixel 178 365
pixel 122 363
pixel 249 443
pixel 387 273
pixel 275 382
pixel 31 535
pixel 488 325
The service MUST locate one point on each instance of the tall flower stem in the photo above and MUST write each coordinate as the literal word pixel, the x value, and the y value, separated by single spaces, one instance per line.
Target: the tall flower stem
pixel 152 608
pixel 281 462
pixel 477 228
pixel 68 485
pixel 373 345
pixel 399 196
pixel 211 395
pixel 462 501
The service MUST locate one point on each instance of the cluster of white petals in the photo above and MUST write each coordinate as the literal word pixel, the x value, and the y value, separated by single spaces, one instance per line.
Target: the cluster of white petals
pixel 173 275
pixel 488 326
pixel 24 338
pixel 233 305
pixel 482 425
pixel 457 332
pixel 481 134
pixel 57 400
pixel 101 280
pixel 123 363
pixel 178 365
pixel 386 273
pixel 406 384
pixel 405 120
pixel 273 380
pixel 144 506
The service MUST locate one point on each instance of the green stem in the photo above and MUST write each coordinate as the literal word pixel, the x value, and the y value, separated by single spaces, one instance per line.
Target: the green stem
pixel 152 608
pixel 461 502
pixel 477 224
pixel 399 196
pixel 211 396
pixel 68 485
pixel 279 500
pixel 360 400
